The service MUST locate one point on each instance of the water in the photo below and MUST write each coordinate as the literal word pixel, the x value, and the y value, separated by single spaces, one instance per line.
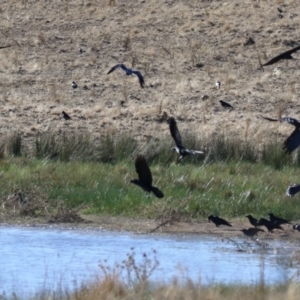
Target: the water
pixel 37 259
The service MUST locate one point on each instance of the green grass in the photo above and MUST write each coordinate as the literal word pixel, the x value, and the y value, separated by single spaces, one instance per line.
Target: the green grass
pixel 231 189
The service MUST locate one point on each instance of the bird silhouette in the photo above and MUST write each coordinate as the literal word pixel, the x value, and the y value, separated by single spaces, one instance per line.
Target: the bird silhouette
pixel 278 220
pixel 74 85
pixel 218 84
pixel 252 220
pixel 251 232
pixel 293 141
pixel 268 224
pixel 292 190
pixel 177 138
pixel 296 227
pixel 284 55
pixel 226 105
pixel 66 116
pixel 145 177
pixel 129 72
pixel 218 221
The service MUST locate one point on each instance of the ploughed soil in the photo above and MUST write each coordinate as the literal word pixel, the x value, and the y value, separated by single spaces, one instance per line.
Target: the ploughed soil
pixel 181 47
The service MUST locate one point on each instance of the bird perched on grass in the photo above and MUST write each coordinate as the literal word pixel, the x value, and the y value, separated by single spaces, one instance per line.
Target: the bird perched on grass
pixel 252 220
pixel 177 138
pixel 251 232
pixel 293 141
pixel 292 190
pixel 278 220
pixel 226 105
pixel 284 55
pixel 145 177
pixel 268 224
pixel 218 221
pixel 129 72
pixel 74 85
pixel 66 116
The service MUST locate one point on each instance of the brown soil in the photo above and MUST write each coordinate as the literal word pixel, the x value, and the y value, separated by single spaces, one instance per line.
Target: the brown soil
pixel 181 47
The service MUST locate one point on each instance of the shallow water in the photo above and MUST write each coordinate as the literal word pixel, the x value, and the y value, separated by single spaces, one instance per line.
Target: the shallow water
pixel 35 259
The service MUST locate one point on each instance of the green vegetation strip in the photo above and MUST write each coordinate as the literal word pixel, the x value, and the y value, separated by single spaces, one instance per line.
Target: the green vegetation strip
pixel 230 189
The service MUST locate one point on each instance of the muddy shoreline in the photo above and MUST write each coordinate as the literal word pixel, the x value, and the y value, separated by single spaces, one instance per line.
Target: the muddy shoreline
pixel 150 226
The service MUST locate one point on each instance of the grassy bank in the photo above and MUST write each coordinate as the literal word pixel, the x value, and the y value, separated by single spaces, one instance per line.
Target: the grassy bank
pixel 232 179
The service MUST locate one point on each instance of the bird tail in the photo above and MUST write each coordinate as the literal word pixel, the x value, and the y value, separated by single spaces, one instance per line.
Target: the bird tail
pixel 157 192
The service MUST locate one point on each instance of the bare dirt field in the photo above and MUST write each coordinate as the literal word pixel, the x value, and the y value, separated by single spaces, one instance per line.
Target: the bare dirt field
pixel 181 47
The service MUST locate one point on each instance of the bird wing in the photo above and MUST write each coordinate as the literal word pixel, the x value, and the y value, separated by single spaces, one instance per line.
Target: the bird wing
pixel 143 170
pixel 289 120
pixel 175 132
pixel 292 190
pixel 292 142
pixel 281 56
pixel 141 78
pixel 122 66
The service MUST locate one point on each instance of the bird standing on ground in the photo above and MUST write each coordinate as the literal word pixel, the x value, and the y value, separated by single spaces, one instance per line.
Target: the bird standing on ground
pixel 252 220
pixel 145 177
pixel 269 225
pixel 284 55
pixel 293 141
pixel 226 105
pixel 218 84
pixel 177 138
pixel 251 232
pixel 292 190
pixel 66 116
pixel 74 85
pixel 129 72
pixel 218 221
pixel 278 220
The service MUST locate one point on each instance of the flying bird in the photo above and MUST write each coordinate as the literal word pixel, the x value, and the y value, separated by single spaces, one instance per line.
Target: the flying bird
pixel 284 55
pixel 269 225
pixel 252 220
pixel 218 221
pixel 292 190
pixel 145 177
pixel 129 72
pixel 251 232
pixel 226 105
pixel 177 138
pixel 66 116
pixel 74 85
pixel 278 220
pixel 293 141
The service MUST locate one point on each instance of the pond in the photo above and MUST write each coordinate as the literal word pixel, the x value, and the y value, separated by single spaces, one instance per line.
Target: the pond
pixel 35 259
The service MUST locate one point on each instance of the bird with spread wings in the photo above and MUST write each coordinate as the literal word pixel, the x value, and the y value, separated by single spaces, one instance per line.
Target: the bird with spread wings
pixel 293 141
pixel 129 72
pixel 145 177
pixel 180 149
pixel 284 55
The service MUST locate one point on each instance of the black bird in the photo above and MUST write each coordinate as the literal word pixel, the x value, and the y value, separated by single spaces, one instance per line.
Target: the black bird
pixel 251 232
pixel 81 50
pixel 177 138
pixel 269 225
pixel 66 116
pixel 74 85
pixel 218 221
pixel 145 177
pixel 226 105
pixel 293 141
pixel 296 227
pixel 129 72
pixel 278 220
pixel 292 190
pixel 284 55
pixel 252 220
